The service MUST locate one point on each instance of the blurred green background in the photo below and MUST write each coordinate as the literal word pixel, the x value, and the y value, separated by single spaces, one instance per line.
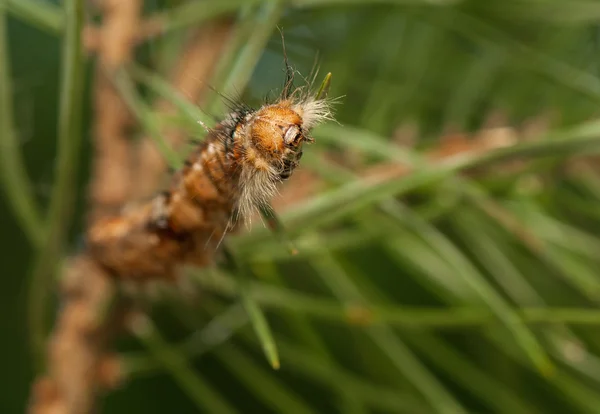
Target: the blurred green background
pixel 435 292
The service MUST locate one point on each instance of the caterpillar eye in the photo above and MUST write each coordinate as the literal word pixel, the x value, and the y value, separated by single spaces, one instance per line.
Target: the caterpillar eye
pixel 292 135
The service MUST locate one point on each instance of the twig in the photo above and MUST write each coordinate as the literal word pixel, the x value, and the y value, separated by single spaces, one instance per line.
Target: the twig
pixel 111 184
pixel 76 347
pixel 148 28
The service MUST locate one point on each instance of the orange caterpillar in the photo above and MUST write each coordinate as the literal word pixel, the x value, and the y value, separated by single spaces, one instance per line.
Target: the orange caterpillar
pixel 231 174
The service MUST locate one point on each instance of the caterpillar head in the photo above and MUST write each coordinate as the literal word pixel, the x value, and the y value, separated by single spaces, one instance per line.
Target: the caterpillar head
pixel 272 139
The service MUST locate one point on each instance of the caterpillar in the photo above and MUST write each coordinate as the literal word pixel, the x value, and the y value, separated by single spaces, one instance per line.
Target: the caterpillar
pixel 226 178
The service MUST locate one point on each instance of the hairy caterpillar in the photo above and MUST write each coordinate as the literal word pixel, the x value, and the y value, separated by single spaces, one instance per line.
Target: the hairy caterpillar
pixel 232 173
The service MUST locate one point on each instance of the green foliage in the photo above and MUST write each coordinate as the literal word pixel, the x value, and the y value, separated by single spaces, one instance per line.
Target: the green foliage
pixel 431 292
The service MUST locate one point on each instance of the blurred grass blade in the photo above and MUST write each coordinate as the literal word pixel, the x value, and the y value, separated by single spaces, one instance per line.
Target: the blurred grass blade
pixel 374 395
pixel 471 377
pixel 405 317
pixel 322 370
pixel 260 381
pixel 473 278
pixel 195 13
pixel 140 109
pixel 166 91
pixel 443 356
pixel 478 237
pixel 255 314
pixel 399 354
pixel 261 23
pixel 216 332
pixel 70 137
pixel 575 270
pixel 325 3
pixel 261 328
pixel 199 391
pixel 367 141
pixel 306 333
pixel 476 83
pixel 41 14
pixel 245 368
pixel 563 383
pixel 17 187
pixel 561 71
pixel 359 194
